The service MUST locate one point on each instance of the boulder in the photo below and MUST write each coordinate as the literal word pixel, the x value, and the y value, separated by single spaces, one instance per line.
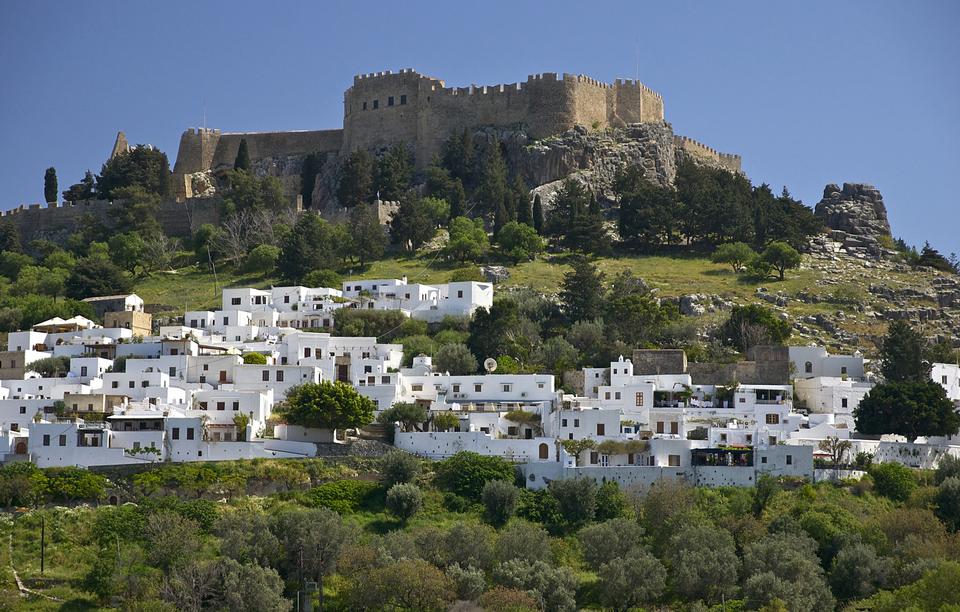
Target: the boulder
pixel 495 274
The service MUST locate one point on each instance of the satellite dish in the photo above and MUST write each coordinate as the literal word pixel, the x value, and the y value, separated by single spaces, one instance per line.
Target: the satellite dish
pixel 490 365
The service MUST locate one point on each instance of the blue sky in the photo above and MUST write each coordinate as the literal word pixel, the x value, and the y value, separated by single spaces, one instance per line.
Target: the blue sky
pixel 808 93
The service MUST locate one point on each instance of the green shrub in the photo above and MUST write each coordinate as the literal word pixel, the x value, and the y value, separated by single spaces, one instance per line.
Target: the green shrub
pixel 262 259
pixel 466 473
pixel 255 359
pixel 893 480
pixel 398 467
pixel 499 501
pixel 404 500
pixel 344 496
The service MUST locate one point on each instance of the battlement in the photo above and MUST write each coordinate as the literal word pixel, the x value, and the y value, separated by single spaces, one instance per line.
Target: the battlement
pixel 698 149
pixel 382 109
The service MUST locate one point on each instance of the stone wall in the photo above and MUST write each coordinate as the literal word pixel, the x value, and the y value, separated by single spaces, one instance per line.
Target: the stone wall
pixel 278 154
pixel 56 222
pixel 386 108
pixel 701 152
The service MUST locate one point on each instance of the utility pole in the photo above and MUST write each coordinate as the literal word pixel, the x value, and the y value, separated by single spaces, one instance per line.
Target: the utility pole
pixel 43 541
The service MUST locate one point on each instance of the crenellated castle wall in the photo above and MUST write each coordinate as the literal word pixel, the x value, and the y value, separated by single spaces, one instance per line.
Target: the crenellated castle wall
pixel 386 108
pixel 699 150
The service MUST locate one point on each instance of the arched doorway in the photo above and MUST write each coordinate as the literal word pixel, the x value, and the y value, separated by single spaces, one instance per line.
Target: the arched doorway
pixel 544 450
pixel 21 448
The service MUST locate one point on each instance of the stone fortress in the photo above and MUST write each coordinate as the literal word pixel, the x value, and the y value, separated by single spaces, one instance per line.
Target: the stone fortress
pixel 618 123
pixel 383 109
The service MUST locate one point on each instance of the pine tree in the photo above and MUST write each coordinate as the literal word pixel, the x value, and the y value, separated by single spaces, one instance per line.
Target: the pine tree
pixel 242 162
pixel 538 214
pixel 50 185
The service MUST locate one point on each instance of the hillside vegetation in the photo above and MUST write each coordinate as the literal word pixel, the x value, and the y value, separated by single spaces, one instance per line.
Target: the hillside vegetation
pixel 398 533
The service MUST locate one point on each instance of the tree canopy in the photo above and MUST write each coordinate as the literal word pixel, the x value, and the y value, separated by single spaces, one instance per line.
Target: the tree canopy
pixel 327 405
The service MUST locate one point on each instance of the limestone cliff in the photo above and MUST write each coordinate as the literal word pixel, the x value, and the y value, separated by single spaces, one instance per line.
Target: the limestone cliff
pixel 856 216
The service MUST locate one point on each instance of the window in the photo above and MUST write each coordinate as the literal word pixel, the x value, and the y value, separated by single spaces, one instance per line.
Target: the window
pixel 507 388
pixel 773 419
pixel 659 426
pixel 477 388
pixel 173 351
pixel 943 379
pixel 384 380
pixel 221 405
pixel 23 409
pixel 226 321
pixel 630 459
pixel 601 429
pixel 673 460
pixel 511 431
pixel 576 422
pixel 763 459
pixel 459 294
pixel 674 427
pixel 639 398
pixel 203 379
pixel 203 405
pixel 743 400
pixel 544 451
pixel 306 351
pixel 570 436
pixel 131 384
pixel 63 440
pixel 175 433
pixel 789 459
pixel 389 100
pixel 46 439
pixel 606 395
pixel 115 384
pixel 594 457
pixel 417 387
pixel 376 104
pixel 172 371
pixel 843 402
pixel 235 301
pixel 843 370
pixel 403 99
pixel 236 405
pixel 189 433
pixel 364 106
pixel 286 299
pixel 144 383
pixel 456 388
pixel 265 375
pixel 83 370
pixel 279 375
pixel 808 368
pixel 616 395
pixel 367 369
pixel 563 422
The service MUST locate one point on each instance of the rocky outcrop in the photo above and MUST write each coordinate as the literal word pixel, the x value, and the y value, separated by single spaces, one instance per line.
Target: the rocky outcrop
pixel 856 218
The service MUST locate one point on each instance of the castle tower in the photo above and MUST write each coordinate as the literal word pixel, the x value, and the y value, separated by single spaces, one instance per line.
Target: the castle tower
pixel 120 146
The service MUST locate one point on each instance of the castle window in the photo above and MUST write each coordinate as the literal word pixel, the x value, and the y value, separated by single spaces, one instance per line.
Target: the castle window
pixel 376 104
pixel 389 100
pixel 364 106
pixel 403 99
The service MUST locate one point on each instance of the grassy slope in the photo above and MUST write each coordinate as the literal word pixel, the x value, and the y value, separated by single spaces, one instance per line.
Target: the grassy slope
pixel 675 275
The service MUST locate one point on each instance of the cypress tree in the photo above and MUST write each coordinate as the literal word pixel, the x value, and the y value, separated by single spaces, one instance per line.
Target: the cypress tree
pixel 50 185
pixel 538 214
pixel 458 198
pixel 502 216
pixel 243 157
